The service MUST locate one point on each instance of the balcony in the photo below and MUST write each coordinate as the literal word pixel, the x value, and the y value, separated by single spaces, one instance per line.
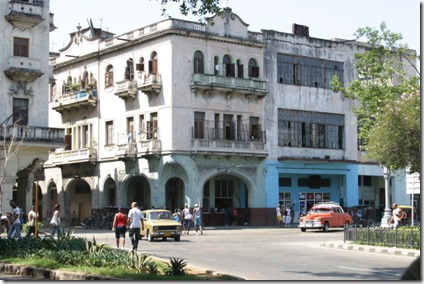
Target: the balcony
pixel 60 156
pixel 25 14
pixel 127 150
pixel 34 134
pixel 84 99
pixel 149 147
pixel 151 84
pixel 215 140
pixel 23 69
pixel 250 88
pixel 126 89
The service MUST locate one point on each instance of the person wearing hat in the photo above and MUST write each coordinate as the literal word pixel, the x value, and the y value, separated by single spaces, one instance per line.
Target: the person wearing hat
pixel 197 218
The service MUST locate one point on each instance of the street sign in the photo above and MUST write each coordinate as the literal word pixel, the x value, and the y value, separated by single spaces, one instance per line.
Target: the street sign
pixel 413 183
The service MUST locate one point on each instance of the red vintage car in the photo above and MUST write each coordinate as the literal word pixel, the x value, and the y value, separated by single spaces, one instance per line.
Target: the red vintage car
pixel 324 216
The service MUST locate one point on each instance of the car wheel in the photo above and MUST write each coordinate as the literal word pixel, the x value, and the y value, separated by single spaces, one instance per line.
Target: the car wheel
pixel 164 238
pixel 177 239
pixel 326 227
pixel 148 236
pixel 346 225
pixel 303 229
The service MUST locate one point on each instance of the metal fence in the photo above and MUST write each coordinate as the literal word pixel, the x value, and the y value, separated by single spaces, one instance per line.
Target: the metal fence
pixel 402 237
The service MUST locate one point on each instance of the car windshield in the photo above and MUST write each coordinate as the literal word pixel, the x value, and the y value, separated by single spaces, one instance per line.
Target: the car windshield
pixel 319 210
pixel 160 215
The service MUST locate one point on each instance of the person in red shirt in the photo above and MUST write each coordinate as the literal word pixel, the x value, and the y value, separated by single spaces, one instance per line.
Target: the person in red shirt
pixel 119 226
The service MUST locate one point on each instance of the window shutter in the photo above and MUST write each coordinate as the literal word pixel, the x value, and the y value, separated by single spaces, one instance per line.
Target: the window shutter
pixel 254 71
pixel 155 66
pixel 139 67
pixel 150 66
pixel 127 73
pixel 107 79
pixel 232 70
pixel 240 71
pixel 149 129
pixel 68 141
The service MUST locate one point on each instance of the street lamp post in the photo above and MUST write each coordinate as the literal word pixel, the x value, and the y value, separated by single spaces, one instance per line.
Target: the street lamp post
pixel 385 220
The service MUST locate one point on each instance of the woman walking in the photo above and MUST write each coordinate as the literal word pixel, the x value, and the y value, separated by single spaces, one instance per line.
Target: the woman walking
pixel 55 222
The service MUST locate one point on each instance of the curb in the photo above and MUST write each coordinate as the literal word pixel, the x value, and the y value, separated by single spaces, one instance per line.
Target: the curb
pixel 374 249
pixel 43 273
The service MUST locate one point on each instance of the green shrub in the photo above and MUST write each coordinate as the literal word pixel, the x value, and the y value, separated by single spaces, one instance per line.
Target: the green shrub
pixel 176 267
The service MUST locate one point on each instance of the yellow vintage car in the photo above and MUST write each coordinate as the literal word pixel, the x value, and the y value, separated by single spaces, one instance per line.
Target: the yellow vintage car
pixel 158 223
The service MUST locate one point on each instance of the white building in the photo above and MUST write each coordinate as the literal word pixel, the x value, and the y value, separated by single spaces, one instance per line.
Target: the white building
pixel 24 89
pixel 164 115
pixel 177 112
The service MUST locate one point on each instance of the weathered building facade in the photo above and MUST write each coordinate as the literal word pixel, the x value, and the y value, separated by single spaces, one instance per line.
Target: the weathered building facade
pixel 24 89
pixel 177 112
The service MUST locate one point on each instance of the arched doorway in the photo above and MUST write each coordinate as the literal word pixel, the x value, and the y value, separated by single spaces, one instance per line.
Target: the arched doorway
pixel 51 199
pixel 174 193
pixel 138 190
pixel 221 192
pixel 38 196
pixel 109 190
pixel 80 199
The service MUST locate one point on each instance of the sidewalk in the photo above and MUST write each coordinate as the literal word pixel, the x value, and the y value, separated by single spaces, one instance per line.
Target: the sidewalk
pixel 348 245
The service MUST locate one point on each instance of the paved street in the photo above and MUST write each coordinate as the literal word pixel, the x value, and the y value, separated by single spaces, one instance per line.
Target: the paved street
pixel 270 254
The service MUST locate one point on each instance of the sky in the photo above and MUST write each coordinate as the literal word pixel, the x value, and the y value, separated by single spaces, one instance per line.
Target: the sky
pixel 326 19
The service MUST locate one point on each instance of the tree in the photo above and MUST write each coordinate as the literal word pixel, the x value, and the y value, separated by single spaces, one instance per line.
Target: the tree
pixel 395 138
pixel 196 7
pixel 382 79
pixel 12 139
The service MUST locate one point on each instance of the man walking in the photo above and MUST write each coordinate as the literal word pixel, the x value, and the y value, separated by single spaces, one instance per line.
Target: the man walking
pixel 134 222
pixel 197 218
pixel 32 217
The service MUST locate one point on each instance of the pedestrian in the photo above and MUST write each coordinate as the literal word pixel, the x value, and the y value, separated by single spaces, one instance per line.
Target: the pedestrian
pixel 32 218
pixel 397 215
pixel 55 222
pixel 176 215
pixel 283 215
pixel 279 217
pixel 197 212
pixel 288 215
pixel 234 217
pixel 15 228
pixel 134 223
pixel 187 219
pixel 74 218
pixel 228 215
pixel 119 226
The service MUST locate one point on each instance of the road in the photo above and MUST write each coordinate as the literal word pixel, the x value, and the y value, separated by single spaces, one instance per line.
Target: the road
pixel 270 254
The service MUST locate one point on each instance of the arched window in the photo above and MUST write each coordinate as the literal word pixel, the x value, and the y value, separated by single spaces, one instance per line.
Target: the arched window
pixel 67 87
pixel 229 68
pixel 239 69
pixel 109 76
pixel 84 80
pixel 140 66
pixel 129 70
pixel 216 65
pixel 153 63
pixel 253 68
pixel 198 62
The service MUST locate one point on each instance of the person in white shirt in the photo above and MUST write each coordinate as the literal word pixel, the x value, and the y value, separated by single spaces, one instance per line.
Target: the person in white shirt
pixel 32 217
pixel 288 216
pixel 134 223
pixel 279 217
pixel 197 218
pixel 16 221
pixel 398 215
